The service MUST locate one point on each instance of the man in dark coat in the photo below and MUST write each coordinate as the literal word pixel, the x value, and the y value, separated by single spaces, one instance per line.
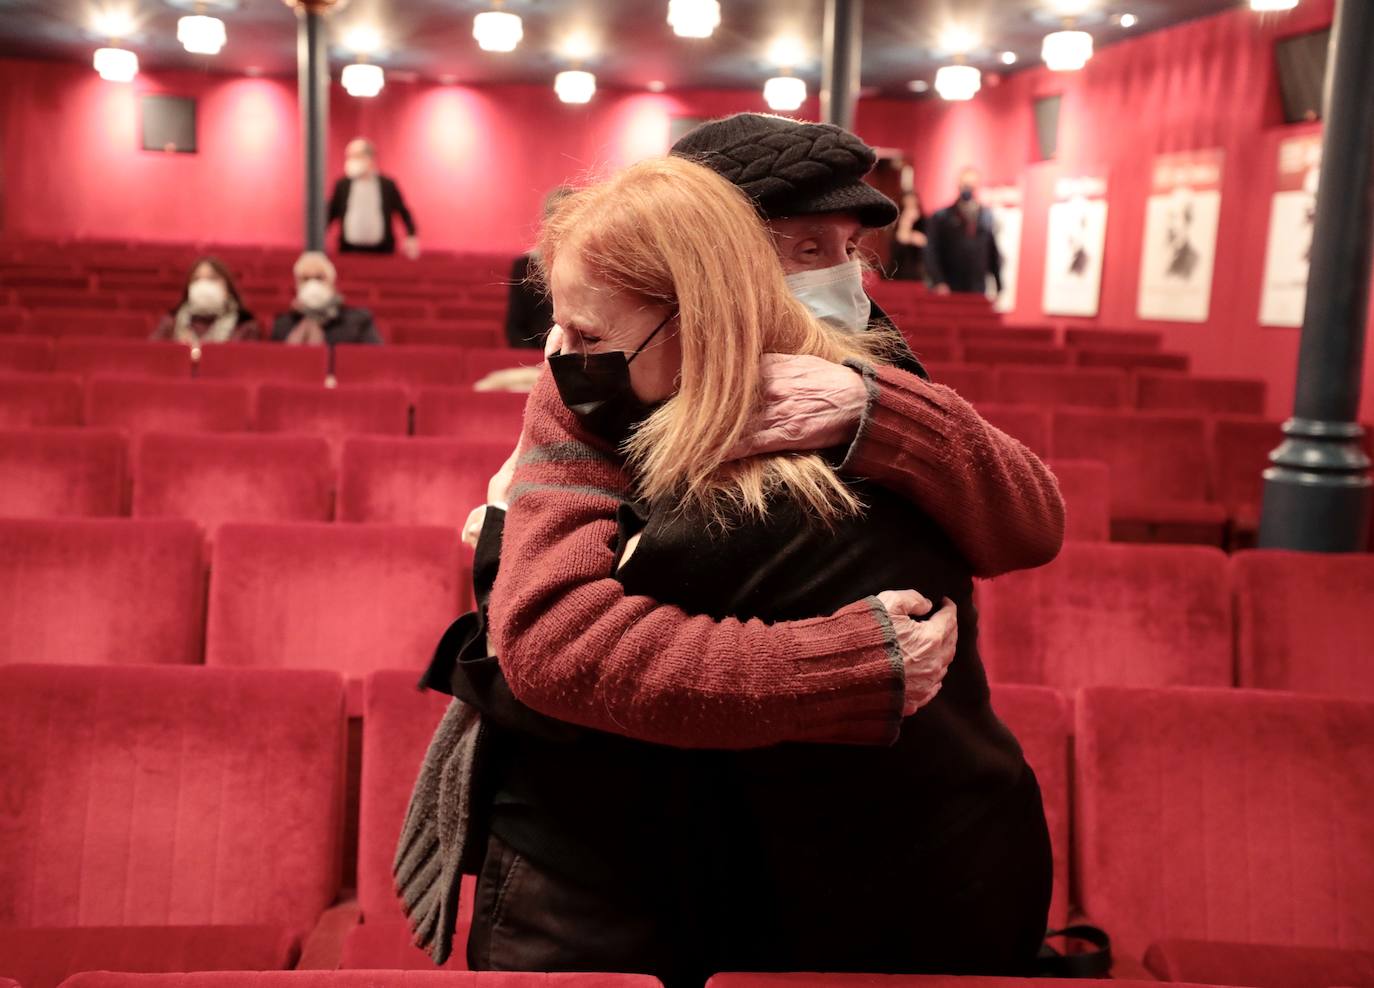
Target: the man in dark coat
pixel 365 203
pixel 962 249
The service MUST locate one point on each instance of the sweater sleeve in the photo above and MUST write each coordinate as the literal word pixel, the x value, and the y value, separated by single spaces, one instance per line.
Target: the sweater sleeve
pixel 573 645
pixel 992 496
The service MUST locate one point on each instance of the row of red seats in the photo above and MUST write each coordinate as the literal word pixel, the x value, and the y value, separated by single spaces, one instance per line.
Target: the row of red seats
pixel 1109 388
pixel 408 366
pixel 1205 829
pixel 936 352
pixel 355 597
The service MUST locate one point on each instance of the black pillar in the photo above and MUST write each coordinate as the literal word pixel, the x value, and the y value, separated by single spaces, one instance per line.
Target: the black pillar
pixel 1317 493
pixel 843 43
pixel 312 69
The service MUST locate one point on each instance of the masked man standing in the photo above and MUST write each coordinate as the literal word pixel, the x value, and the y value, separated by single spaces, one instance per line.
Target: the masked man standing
pixel 366 202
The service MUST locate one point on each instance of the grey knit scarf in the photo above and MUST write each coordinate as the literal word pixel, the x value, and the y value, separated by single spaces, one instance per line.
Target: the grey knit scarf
pixel 438 828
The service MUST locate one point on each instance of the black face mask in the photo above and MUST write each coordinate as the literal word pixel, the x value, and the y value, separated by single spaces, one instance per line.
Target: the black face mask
pixel 596 388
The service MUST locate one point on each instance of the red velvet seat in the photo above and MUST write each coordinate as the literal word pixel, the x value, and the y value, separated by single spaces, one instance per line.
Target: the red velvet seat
pixel 259 362
pixel 89 321
pixel 1028 423
pixel 46 957
pixel 168 796
pixel 467 414
pixel 482 362
pixel 350 598
pixel 1213 395
pixel 1159 470
pixel 363 979
pixel 1013 353
pixel 1260 965
pixel 416 480
pixel 168 406
pixel 1128 359
pixel 398 723
pixel 1086 486
pixel 1042 720
pixel 85 356
pixel 1236 816
pixel 1131 615
pixel 100 592
pixel 221 478
pixel 751 980
pixel 410 367
pixel 1019 335
pixel 459 334
pixel 974 384
pixel 28 400
pixel 1305 621
pixel 1240 454
pixel 333 413
pixel 1124 338
pixel 1067 388
pixel 930 350
pixel 27 354
pixel 62 473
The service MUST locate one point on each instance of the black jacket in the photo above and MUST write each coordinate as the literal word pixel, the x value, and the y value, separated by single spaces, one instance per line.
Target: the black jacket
pixel 392 206
pixel 529 310
pixel 351 325
pixel 958 257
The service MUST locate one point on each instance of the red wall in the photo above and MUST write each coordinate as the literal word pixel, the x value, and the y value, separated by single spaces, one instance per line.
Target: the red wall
pixel 1208 83
pixel 474 162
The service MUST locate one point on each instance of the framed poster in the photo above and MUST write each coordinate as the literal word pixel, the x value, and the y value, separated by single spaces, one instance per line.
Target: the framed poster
pixel 1004 202
pixel 1179 252
pixel 1286 259
pixel 1077 240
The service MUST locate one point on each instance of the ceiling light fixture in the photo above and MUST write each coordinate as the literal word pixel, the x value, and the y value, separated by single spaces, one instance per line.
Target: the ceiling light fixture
pixel 1267 6
pixel 497 30
pixel 200 34
pixel 958 82
pixel 1067 50
pixel 958 40
pixel 694 18
pixel 363 40
pixel 116 64
pixel 1008 58
pixel 363 79
pixel 787 52
pixel 574 86
pixel 1128 20
pixel 785 93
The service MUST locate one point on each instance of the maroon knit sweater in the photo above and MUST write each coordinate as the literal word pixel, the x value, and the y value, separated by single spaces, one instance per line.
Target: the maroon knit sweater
pixel 573 646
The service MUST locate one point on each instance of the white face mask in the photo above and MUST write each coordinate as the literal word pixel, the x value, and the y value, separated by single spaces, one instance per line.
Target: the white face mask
pixel 314 294
pixel 834 295
pixel 206 297
pixel 355 167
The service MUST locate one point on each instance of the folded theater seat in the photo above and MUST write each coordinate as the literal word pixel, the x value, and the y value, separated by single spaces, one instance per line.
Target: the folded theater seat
pixel 1227 836
pixel 360 979
pixel 165 818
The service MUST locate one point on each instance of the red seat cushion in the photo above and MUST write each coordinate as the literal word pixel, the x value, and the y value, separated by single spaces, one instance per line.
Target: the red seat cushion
pixel 1259 965
pixel 100 591
pixel 1236 815
pixel 169 795
pixel 62 473
pixel 1305 621
pixel 44 957
pixel 1138 615
pixel 362 979
pixel 387 946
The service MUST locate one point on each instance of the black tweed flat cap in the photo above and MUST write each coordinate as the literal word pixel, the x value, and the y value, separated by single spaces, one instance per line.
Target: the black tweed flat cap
pixel 791 168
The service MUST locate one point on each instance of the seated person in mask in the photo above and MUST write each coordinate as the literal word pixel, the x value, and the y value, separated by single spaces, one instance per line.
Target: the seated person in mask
pixel 318 314
pixel 210 310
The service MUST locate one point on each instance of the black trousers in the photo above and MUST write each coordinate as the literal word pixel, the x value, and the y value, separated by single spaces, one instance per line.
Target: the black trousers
pixel 976 906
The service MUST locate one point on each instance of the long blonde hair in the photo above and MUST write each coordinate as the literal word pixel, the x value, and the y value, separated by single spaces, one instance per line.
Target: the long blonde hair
pixel 675 233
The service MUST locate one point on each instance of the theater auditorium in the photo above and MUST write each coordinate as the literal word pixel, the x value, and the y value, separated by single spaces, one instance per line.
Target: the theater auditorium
pixel 665 493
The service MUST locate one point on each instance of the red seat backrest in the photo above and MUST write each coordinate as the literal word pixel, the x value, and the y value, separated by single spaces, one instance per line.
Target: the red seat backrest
pixel 408 367
pixel 1305 621
pixel 85 356
pixel 169 795
pixel 468 414
pixel 1028 423
pixel 61 473
pixel 1216 395
pixel 258 362
pixel 351 410
pixel 99 592
pixel 1131 359
pixel 26 354
pixel 1232 815
pixel 1068 388
pixel 147 405
pixel 37 400
pixel 1012 353
pixel 1086 486
pixel 974 384
pixel 1103 613
pixel 1153 456
pixel 1240 455
pixel 416 480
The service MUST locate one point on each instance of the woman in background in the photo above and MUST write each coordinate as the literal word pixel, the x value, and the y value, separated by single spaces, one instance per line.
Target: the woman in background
pixel 210 310
pixel 909 241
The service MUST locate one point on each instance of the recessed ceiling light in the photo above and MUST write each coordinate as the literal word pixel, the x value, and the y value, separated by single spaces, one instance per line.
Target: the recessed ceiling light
pixel 656 85
pixel 363 40
pixel 958 40
pixel 787 52
pixel 1008 58
pixel 918 85
pixel 1128 20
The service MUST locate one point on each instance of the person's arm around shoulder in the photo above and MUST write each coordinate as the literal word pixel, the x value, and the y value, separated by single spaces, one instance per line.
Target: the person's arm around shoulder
pixel 573 645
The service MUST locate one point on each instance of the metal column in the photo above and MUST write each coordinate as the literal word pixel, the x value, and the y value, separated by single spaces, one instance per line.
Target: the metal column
pixel 312 67
pixel 1317 493
pixel 843 50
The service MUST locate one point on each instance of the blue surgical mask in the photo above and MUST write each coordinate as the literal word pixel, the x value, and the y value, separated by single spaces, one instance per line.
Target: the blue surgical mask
pixel 835 295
